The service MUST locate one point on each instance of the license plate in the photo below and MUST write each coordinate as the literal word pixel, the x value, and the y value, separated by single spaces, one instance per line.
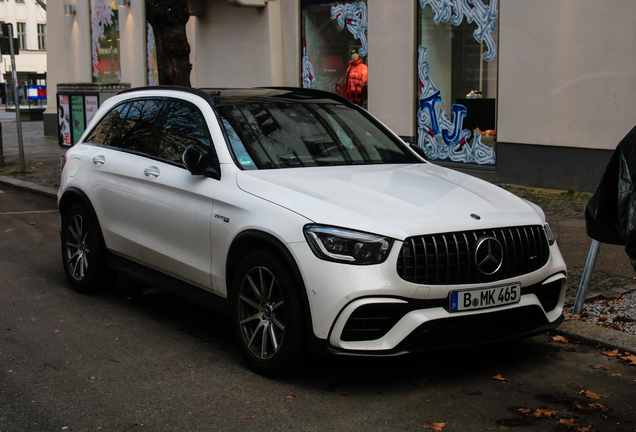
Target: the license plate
pixel 484 298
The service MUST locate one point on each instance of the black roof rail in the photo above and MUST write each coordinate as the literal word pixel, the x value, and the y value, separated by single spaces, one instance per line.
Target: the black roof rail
pixel 192 90
pixel 315 94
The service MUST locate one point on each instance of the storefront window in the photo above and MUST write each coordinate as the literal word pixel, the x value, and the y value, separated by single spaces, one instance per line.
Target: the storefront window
pixel 105 41
pixel 31 91
pixel 335 48
pixel 457 70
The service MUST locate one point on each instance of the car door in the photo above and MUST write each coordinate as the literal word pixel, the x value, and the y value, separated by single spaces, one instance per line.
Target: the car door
pixel 175 207
pixel 111 182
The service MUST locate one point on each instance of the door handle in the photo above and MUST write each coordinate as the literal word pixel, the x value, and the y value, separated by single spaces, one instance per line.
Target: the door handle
pixel 99 160
pixel 152 171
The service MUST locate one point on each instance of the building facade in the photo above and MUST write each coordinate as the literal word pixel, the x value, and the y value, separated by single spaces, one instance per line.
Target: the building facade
pixel 28 19
pixel 536 93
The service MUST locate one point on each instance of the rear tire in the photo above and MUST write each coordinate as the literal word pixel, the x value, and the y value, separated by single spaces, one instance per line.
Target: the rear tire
pixel 83 253
pixel 267 315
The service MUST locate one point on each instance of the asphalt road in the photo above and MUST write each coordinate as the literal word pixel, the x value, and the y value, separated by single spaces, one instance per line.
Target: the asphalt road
pixel 138 359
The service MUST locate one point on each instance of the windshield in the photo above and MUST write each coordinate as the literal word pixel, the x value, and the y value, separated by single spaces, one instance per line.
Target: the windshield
pixel 288 135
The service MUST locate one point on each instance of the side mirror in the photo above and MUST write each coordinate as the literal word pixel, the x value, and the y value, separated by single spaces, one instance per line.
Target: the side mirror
pixel 417 149
pixel 194 160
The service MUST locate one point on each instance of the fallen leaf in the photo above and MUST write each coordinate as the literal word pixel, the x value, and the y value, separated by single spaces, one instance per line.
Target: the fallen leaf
pixel 631 359
pixel 591 395
pixel 590 428
pixel 602 318
pixel 420 381
pixel 601 367
pixel 569 348
pixel 499 378
pixel 616 374
pixel 250 417
pixel 611 353
pixel 544 412
pixel 568 423
pixel 290 397
pixel 434 426
pixel 579 406
pixel 33 223
pixel 599 407
pixel 524 410
pixel 560 339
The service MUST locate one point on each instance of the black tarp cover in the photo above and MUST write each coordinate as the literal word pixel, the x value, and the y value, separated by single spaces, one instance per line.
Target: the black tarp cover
pixel 610 215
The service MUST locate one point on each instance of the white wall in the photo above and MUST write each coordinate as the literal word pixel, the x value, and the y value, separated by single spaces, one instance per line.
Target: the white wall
pixel 567 72
pixel 392 63
pixel 241 46
pixel 132 44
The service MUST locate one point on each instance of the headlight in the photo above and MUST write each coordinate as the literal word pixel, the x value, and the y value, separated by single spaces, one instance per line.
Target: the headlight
pixel 347 246
pixel 548 232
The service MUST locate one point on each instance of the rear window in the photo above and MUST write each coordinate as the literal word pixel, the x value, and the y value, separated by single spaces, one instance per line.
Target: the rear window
pixel 291 135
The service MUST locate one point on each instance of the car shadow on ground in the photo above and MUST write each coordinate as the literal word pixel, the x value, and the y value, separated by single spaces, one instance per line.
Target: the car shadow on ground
pixel 210 327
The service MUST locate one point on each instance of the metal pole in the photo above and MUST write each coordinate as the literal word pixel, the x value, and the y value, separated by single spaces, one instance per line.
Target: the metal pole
pixel 1 152
pixel 16 98
pixel 584 286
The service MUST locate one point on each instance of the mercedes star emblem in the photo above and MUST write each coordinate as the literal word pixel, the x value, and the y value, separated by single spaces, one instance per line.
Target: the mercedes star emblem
pixel 489 256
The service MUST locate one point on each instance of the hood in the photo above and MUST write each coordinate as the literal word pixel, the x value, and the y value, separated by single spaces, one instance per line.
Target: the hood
pixel 392 200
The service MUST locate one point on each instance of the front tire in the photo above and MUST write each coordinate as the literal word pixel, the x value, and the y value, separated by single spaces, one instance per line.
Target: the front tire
pixel 266 314
pixel 83 253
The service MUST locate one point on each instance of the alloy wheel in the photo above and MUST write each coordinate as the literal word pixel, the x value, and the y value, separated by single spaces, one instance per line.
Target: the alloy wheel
pixel 261 313
pixel 77 249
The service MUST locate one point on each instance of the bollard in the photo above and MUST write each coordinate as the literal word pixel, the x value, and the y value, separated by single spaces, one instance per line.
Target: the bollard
pixel 1 151
pixel 586 278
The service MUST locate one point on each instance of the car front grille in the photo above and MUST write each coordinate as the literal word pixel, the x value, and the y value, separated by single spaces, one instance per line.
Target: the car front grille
pixel 449 258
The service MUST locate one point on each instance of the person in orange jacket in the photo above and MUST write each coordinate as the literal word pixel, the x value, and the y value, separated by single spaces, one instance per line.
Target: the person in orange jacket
pixel 355 84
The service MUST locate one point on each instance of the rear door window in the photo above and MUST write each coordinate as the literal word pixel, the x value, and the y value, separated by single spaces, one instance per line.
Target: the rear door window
pixel 141 131
pixel 107 131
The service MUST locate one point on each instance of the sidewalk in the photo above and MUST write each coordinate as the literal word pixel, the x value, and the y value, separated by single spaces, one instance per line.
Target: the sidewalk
pixel 613 276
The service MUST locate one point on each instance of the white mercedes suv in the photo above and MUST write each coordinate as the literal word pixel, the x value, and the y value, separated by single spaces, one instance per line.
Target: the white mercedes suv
pixel 307 221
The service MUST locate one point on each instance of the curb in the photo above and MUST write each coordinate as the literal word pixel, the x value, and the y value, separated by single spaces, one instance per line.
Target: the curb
pixel 31 187
pixel 597 336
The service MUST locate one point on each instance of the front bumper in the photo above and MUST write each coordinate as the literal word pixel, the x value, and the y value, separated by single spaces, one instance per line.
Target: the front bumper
pixel 369 310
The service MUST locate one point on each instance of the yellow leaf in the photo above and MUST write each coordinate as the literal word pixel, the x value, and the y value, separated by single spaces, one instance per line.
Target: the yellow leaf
pixel 568 423
pixel 544 412
pixel 598 406
pixel 631 359
pixel 591 395
pixel 434 426
pixel 561 339
pixel 611 353
pixel 290 397
pixel 524 410
pixel 499 378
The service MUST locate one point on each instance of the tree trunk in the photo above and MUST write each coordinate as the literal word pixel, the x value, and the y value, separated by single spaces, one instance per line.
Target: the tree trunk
pixel 168 19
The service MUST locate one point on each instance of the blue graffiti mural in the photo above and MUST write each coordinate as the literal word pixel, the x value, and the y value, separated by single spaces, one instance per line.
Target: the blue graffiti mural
pixel 308 77
pixel 474 10
pixel 434 123
pixel 354 17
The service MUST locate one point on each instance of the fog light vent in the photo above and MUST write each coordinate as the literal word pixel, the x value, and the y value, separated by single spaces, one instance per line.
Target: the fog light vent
pixel 372 321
